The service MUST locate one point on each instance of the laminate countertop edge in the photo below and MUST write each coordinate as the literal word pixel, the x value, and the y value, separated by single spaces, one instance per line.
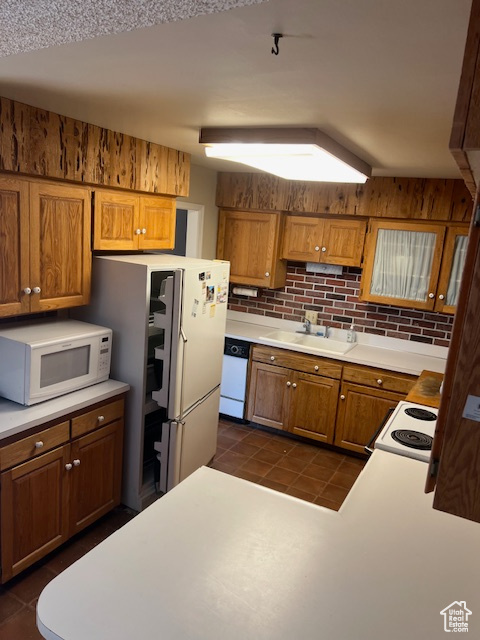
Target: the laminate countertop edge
pixel 15 418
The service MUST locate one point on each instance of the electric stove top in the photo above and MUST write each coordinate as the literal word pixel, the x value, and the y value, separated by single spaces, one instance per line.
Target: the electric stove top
pixel 409 431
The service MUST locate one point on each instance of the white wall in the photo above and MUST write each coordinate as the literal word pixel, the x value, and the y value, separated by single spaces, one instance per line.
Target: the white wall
pixel 203 185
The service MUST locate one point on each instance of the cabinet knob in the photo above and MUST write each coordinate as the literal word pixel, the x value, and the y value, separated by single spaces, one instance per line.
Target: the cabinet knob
pixel 289 384
pixel 272 358
pixel 342 397
pixel 267 274
pixel 324 249
pixel 101 418
pixel 69 466
pixel 27 291
pixel 76 462
pixel 144 231
pixel 36 290
pixel 294 385
pixel 431 295
pixel 39 444
pixel 441 297
pixel 317 248
pixel 138 232
pixel 315 368
pixel 379 381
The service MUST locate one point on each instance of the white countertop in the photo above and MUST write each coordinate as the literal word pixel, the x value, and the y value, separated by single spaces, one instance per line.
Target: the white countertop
pixel 15 418
pixel 221 558
pixel 403 356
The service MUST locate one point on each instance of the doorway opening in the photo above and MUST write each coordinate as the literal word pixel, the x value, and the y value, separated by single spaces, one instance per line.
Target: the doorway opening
pixel 188 230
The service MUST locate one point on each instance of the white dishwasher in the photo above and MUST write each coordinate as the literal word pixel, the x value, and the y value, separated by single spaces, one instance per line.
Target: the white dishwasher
pixel 234 377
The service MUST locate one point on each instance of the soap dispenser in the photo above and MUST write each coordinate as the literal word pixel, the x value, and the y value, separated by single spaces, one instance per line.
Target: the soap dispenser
pixel 351 334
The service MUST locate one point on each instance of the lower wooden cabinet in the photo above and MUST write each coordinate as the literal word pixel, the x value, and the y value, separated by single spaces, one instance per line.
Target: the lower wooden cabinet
pixel 365 397
pixel 293 392
pixel 319 398
pixel 49 497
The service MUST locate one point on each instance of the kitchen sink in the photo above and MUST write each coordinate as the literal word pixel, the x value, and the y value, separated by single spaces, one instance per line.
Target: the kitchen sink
pixel 309 340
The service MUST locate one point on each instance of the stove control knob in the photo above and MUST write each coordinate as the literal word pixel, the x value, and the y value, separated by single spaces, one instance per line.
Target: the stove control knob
pixel 342 397
pixel 379 381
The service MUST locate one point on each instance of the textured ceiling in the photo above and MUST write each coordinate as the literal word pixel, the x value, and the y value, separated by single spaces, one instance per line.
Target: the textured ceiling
pixel 26 25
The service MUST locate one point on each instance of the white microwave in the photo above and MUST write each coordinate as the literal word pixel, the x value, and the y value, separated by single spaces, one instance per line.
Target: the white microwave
pixel 45 359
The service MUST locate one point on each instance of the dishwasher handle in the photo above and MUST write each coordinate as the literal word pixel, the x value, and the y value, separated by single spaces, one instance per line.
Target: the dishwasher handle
pixel 369 447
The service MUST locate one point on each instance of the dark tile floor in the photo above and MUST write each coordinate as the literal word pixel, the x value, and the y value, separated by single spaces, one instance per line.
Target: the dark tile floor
pixel 300 469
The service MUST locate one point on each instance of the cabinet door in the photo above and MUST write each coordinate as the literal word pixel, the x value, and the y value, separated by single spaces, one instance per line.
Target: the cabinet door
pixel 14 247
pixel 343 242
pixel 361 411
pixel 95 475
pixel 116 221
pixel 60 255
pixel 302 238
pixel 313 407
pixel 34 503
pixel 453 261
pixel 402 262
pixel 269 395
pixel 157 223
pixel 249 241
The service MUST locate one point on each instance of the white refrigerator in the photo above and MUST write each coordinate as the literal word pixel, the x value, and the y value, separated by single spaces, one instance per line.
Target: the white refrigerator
pixel 168 316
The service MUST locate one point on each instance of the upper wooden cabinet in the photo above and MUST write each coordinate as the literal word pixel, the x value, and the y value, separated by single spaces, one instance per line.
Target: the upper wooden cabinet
pixel 402 263
pixel 45 245
pixel 328 240
pixel 250 241
pixel 453 262
pixel 125 221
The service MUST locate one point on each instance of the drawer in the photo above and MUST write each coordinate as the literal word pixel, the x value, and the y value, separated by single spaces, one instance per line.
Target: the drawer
pixel 315 365
pixel 379 378
pixel 34 445
pixel 97 418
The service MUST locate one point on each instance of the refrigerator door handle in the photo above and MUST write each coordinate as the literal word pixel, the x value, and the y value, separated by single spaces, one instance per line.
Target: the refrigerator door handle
pixel 185 340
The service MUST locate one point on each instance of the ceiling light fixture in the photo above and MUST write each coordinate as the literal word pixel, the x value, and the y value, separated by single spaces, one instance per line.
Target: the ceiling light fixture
pixel 293 154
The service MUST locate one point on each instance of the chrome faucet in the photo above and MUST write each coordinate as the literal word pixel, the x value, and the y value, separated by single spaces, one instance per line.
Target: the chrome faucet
pixel 307 326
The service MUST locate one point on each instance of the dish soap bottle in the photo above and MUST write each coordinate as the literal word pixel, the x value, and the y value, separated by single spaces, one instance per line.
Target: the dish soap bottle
pixel 351 334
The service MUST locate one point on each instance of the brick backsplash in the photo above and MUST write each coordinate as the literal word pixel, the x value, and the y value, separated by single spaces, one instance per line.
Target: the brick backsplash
pixel 335 298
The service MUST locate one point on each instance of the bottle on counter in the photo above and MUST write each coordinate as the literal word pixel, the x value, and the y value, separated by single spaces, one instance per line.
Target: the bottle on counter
pixel 351 334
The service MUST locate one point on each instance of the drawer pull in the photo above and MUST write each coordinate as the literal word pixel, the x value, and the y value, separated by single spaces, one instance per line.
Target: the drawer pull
pixel 272 358
pixel 144 231
pixel 36 290
pixel 324 249
pixel 69 466
pixel 27 291
pixel 267 274
pixel 342 397
pixel 316 367
pixel 39 444
pixel 76 462
pixel 317 248
pixel 101 418
pixel 138 232
pixel 294 385
pixel 289 384
pixel 379 381
pixel 431 295
pixel 441 297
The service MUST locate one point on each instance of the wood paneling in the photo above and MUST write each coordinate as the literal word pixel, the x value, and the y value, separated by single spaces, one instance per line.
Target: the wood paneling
pixel 157 220
pixel 313 407
pixel 419 198
pixel 268 396
pixel 42 143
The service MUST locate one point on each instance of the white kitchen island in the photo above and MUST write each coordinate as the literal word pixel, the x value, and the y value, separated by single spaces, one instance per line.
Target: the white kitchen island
pixel 221 558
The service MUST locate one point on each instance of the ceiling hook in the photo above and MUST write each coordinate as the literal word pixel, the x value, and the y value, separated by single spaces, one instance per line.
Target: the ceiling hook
pixel 276 37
